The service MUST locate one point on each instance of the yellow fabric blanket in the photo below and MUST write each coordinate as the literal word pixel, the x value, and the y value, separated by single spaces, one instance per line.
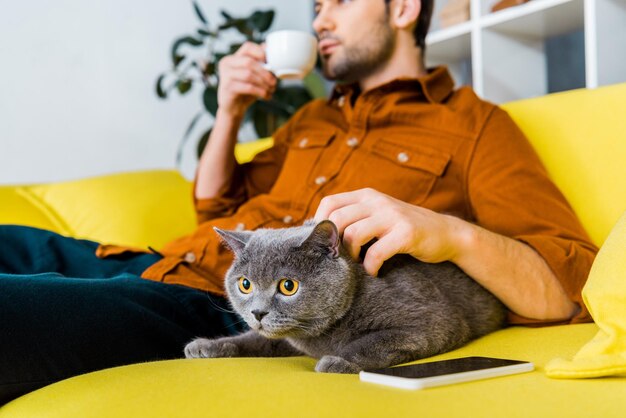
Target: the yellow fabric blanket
pixel 605 296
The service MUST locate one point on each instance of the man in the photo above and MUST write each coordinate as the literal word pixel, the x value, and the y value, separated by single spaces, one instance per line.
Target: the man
pixel 395 154
pixel 373 44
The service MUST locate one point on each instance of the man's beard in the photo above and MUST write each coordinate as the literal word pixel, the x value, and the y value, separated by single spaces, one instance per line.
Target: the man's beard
pixel 363 59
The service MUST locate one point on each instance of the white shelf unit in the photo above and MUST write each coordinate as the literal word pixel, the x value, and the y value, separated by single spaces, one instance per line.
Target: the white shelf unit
pixel 503 54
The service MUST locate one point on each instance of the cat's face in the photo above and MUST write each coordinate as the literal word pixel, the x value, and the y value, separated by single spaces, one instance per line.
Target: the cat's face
pixel 289 282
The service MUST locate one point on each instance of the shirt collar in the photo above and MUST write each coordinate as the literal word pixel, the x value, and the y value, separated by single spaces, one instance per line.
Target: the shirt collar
pixel 436 86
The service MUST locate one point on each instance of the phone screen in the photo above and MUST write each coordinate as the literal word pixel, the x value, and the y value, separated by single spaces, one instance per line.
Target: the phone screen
pixel 446 367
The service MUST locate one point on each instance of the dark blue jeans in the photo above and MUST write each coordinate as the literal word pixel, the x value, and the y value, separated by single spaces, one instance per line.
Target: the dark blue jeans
pixel 65 312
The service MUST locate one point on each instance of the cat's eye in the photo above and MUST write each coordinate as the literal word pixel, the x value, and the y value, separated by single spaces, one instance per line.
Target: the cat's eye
pixel 288 287
pixel 244 285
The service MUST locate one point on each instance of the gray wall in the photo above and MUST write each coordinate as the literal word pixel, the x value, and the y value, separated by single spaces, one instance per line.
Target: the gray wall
pixel 77 83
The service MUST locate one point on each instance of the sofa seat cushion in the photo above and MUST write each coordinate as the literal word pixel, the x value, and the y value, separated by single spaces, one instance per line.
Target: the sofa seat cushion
pixel 289 387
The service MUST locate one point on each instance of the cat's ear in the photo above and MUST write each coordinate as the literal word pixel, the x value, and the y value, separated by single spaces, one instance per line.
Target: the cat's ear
pixel 324 236
pixel 236 240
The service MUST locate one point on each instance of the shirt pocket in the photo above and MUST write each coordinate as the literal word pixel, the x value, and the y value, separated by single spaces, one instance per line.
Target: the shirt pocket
pixel 304 155
pixel 405 170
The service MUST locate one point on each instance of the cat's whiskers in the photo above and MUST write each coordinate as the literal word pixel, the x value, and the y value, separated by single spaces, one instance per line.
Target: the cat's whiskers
pixel 237 323
pixel 217 307
pixel 307 327
pixel 284 326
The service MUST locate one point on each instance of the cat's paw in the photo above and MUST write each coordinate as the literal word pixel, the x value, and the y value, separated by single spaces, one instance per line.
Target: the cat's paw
pixel 204 348
pixel 334 364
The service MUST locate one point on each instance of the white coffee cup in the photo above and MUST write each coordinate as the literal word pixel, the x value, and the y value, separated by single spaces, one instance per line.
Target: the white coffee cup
pixel 290 54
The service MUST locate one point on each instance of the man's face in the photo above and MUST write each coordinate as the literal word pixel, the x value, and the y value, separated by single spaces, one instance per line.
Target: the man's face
pixel 355 37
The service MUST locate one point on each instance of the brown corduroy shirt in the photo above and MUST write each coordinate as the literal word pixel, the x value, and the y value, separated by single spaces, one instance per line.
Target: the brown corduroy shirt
pixel 417 140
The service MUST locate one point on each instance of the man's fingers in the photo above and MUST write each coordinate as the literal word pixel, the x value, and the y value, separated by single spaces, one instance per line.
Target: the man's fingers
pixel 360 233
pixel 363 215
pixel 331 203
pixel 244 75
pixel 382 250
pixel 247 65
pixel 349 214
pixel 248 89
pixel 252 50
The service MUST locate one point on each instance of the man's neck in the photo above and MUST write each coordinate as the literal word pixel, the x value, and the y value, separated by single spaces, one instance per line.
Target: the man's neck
pixel 405 62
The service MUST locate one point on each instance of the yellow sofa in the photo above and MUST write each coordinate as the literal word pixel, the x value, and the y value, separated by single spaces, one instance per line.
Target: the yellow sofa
pixel 580 135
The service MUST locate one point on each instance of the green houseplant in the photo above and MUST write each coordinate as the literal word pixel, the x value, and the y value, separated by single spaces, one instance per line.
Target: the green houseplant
pixel 190 68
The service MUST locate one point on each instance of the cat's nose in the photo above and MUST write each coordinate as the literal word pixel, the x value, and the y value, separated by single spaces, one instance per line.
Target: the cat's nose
pixel 259 314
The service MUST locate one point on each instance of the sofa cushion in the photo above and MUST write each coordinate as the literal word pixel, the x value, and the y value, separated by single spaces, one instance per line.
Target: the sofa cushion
pixel 289 387
pixel 138 209
pixel 246 151
pixel 19 207
pixel 147 208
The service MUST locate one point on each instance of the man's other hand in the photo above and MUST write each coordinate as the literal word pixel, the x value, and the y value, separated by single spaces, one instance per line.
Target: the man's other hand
pixel 243 80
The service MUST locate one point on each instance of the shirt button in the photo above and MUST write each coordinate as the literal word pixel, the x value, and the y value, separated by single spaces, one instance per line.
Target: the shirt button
pixel 403 157
pixel 190 257
pixel 352 142
pixel 240 227
pixel 320 180
pixel 288 219
pixel 341 100
pixel 303 142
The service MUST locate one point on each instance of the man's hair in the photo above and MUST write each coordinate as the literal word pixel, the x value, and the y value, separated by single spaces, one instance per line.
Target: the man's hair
pixel 423 23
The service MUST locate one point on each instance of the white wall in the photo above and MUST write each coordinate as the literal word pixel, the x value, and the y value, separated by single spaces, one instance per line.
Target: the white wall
pixel 77 83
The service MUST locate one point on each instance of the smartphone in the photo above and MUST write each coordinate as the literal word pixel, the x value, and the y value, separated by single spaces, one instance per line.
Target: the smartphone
pixel 439 373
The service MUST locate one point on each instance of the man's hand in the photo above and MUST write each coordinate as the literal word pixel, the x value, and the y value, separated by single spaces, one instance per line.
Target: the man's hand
pixel 399 227
pixel 509 269
pixel 243 80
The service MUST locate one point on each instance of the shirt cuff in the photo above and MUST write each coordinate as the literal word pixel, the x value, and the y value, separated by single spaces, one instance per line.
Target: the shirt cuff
pixel 570 261
pixel 225 203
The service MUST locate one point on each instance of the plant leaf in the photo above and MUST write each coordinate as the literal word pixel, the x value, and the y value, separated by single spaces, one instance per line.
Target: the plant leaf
pixel 188 40
pixel 247 117
pixel 178 59
pixel 208 69
pixel 159 88
pixel 235 47
pixel 315 85
pixel 261 20
pixel 268 116
pixel 204 139
pixel 219 56
pixel 226 15
pixel 205 33
pixel 274 107
pixel 226 25
pixel 240 24
pixel 261 122
pixel 185 138
pixel 209 98
pixel 184 85
pixel 199 13
pixel 293 97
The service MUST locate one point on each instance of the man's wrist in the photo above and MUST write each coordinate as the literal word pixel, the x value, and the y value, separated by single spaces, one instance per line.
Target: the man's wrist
pixel 463 237
pixel 231 116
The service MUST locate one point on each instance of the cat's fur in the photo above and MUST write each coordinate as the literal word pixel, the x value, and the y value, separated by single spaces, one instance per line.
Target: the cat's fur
pixel 346 318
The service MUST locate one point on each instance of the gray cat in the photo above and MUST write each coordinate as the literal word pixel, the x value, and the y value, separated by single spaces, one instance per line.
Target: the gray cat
pixel 301 293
